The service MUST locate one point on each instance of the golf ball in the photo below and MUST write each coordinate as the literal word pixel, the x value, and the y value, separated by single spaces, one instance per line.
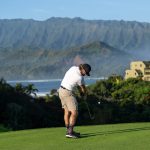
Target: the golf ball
pixel 99 102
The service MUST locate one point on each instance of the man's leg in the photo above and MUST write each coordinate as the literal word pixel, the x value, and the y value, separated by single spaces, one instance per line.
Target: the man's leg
pixel 73 117
pixel 66 117
pixel 70 106
pixel 72 120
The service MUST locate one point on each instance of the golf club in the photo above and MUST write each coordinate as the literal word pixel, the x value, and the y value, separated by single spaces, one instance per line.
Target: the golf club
pixel 91 116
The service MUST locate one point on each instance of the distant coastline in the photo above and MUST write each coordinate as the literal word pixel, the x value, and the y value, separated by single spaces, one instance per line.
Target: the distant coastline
pixel 50 80
pixel 45 86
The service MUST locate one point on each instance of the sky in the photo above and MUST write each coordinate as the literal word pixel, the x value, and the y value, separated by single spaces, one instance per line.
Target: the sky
pixel 128 10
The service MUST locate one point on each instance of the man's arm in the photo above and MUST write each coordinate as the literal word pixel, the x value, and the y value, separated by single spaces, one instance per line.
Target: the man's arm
pixel 82 89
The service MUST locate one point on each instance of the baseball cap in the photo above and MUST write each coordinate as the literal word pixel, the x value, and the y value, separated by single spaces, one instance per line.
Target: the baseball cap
pixel 87 68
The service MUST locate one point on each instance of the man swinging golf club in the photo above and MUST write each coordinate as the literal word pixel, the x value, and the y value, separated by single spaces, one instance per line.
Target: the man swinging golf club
pixel 73 77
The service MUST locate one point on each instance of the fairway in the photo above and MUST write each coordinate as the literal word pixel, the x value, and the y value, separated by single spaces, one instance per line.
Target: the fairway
pixel 132 136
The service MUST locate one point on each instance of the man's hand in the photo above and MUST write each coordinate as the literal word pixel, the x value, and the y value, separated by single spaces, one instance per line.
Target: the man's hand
pixel 82 90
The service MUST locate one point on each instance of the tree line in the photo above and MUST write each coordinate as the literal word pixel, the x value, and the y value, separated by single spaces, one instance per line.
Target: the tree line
pixel 112 100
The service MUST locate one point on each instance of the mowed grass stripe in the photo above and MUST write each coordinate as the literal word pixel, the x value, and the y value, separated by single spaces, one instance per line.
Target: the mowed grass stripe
pixel 106 137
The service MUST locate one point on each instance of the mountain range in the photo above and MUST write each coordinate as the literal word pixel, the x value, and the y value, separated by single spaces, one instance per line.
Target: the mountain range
pixel 32 49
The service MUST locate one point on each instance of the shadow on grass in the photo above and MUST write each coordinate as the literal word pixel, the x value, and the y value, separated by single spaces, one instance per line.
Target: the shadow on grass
pixel 114 132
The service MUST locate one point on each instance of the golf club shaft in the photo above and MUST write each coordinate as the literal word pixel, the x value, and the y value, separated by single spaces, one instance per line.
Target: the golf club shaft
pixel 91 117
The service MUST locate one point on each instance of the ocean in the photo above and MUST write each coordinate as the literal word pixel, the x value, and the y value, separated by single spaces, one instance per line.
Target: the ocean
pixel 45 86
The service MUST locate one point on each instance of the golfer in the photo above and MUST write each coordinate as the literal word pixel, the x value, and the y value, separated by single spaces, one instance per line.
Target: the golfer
pixel 73 77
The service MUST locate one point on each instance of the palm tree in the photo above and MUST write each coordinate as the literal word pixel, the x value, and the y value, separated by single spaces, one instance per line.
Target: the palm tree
pixel 2 81
pixel 30 89
pixel 20 88
pixel 4 85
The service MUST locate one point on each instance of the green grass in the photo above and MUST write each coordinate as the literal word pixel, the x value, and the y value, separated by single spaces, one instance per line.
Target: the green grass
pixel 133 136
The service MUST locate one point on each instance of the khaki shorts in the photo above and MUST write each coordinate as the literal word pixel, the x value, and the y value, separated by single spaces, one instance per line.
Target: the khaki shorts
pixel 68 100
